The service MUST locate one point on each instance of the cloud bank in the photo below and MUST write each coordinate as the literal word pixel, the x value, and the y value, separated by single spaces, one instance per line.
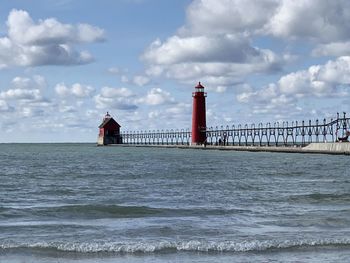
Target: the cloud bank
pixel 47 42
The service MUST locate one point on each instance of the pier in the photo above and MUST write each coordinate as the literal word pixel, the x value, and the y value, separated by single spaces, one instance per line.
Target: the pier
pixel 317 136
pixel 285 133
pixel 303 137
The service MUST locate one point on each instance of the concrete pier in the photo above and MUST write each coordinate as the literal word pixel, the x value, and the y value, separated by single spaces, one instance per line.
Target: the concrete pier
pixel 321 148
pixel 335 148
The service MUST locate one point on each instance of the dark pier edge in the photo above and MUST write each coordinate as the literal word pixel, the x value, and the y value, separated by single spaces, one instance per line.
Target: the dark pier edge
pixel 313 148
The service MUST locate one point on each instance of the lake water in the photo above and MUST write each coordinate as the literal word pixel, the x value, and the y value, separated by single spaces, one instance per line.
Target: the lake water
pixel 81 203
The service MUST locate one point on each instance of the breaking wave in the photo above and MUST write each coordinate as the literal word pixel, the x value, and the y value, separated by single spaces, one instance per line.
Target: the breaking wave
pixel 164 246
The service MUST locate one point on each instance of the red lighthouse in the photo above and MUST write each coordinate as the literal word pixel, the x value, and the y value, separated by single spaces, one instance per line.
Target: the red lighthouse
pixel 198 116
pixel 109 131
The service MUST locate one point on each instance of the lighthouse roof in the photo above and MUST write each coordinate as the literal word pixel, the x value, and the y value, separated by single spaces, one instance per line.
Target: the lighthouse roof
pixel 107 120
pixel 199 86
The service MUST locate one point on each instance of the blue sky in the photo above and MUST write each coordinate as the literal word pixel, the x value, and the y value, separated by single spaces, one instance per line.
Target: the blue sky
pixel 63 64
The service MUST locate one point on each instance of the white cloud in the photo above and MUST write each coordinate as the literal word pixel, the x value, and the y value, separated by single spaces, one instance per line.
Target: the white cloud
pixel 227 16
pixel 258 96
pixel 116 92
pixel 20 82
pixel 154 114
pixel 154 70
pixel 221 89
pixel 332 49
pixel 269 101
pixel 213 45
pixel 62 90
pixel 76 90
pixel 47 42
pixel 28 111
pixel 224 63
pixel 176 112
pixel 295 83
pixel 67 109
pixel 82 91
pixel 23 30
pixel 221 74
pixel 87 33
pixel 318 81
pixel 21 94
pixel 36 81
pixel 156 96
pixel 325 21
pixel 218 49
pixel 25 98
pixel 335 71
pixel 115 98
pixel 114 103
pixel 179 109
pixel 140 80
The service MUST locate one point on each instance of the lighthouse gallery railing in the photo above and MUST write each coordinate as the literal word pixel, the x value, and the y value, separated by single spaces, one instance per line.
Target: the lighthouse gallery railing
pixel 276 134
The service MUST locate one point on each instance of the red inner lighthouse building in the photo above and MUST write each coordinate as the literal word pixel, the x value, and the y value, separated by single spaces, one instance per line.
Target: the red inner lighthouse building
pixel 199 116
pixel 109 131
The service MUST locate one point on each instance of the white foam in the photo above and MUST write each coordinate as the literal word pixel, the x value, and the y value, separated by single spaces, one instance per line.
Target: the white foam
pixel 194 245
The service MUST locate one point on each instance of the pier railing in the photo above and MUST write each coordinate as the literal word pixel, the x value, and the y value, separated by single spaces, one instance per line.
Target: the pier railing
pixel 271 134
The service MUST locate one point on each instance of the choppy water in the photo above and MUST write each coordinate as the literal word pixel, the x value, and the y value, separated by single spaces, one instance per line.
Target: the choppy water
pixel 81 203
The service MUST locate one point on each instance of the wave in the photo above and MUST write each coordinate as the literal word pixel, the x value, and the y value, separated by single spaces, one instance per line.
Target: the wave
pixel 112 211
pixel 168 246
pixel 321 197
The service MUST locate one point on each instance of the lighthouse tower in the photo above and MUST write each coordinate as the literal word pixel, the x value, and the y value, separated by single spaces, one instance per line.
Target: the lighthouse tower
pixel 198 116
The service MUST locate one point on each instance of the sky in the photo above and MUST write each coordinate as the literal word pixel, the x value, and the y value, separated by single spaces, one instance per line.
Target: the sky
pixel 65 63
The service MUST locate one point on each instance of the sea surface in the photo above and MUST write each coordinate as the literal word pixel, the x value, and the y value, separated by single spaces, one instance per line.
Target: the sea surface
pixel 82 203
